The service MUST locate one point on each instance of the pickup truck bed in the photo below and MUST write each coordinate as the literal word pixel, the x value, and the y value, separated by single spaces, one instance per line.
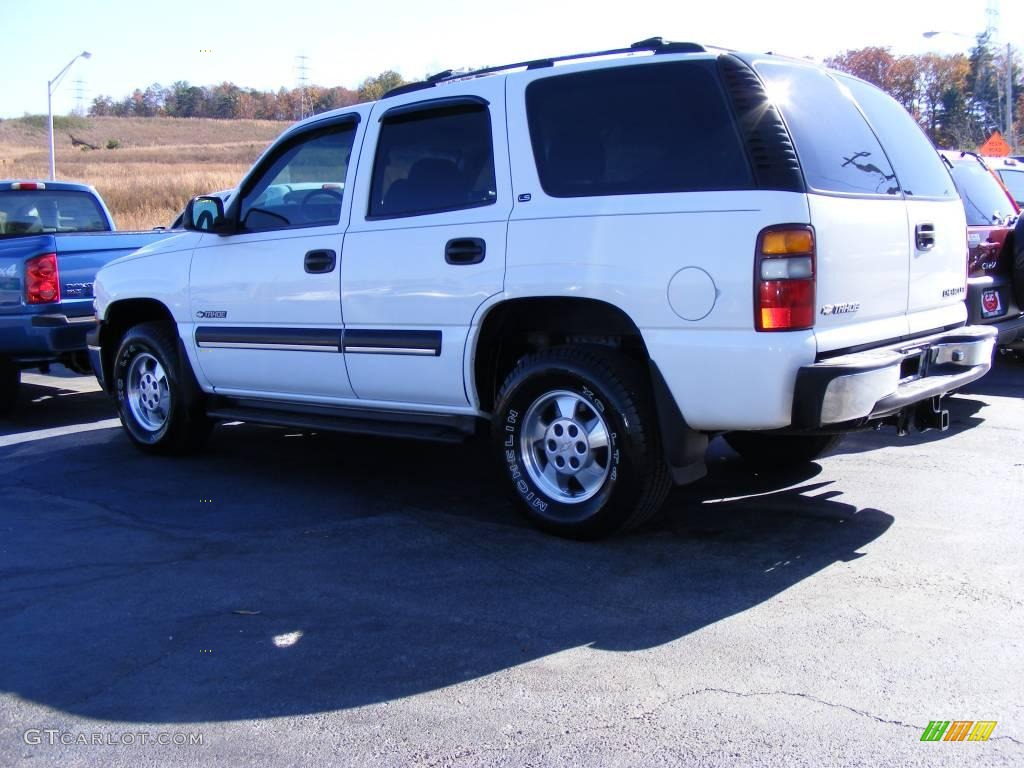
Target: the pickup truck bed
pixel 34 335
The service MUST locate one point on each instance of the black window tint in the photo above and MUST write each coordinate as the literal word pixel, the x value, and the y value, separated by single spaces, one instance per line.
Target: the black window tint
pixel 917 164
pixel 985 202
pixel 838 151
pixel 432 161
pixel 27 212
pixel 635 130
pixel 303 183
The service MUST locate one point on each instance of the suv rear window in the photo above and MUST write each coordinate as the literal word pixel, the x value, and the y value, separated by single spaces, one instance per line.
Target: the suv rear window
pixel 633 130
pixel 985 202
pixel 31 212
pixel 837 149
pixel 918 167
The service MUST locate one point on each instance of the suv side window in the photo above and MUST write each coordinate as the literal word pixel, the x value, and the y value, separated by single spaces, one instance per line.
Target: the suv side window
pixel 837 149
pixel 1014 181
pixel 302 184
pixel 638 129
pixel 918 167
pixel 433 160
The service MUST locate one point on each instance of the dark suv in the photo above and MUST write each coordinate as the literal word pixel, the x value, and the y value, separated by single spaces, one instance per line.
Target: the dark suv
pixel 995 279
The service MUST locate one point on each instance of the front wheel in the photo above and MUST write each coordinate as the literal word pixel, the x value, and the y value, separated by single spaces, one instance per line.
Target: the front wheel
pixel 780 451
pixel 158 399
pixel 10 380
pixel 576 434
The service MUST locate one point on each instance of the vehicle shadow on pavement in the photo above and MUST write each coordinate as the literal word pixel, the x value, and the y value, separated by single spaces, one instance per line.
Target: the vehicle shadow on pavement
pixel 47 407
pixel 1006 379
pixel 285 573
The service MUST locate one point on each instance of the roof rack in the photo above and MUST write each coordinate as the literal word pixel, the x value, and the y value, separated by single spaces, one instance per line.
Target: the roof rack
pixel 655 44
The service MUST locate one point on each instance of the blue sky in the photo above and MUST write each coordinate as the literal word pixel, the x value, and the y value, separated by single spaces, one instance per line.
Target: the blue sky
pixel 255 43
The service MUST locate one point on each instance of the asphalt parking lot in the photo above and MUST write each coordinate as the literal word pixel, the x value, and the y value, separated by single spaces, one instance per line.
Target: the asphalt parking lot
pixel 302 599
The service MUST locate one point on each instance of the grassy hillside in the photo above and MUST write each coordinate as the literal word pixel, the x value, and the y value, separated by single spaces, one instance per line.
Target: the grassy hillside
pixel 156 164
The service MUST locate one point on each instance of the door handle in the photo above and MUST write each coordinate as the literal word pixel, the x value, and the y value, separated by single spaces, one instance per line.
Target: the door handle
pixel 320 262
pixel 465 250
pixel 924 237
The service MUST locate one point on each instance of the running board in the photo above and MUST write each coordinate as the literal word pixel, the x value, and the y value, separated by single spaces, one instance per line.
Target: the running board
pixel 437 427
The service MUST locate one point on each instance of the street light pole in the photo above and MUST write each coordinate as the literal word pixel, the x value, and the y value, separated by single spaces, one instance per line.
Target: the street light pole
pixel 50 85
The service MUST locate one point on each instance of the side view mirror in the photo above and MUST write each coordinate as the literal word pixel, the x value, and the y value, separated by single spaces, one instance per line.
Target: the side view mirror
pixel 204 214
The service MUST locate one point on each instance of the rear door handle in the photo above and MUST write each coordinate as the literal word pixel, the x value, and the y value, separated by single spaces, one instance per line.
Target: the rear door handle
pixel 924 236
pixel 320 262
pixel 465 250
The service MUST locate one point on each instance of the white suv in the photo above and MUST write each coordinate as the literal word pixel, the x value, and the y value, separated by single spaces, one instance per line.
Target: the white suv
pixel 607 257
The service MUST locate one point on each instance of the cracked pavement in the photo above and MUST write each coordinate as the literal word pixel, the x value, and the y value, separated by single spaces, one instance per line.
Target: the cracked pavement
pixel 304 599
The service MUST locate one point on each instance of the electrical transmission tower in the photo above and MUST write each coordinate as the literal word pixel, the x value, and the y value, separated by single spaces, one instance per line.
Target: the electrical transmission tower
pixel 304 108
pixel 80 98
pixel 992 20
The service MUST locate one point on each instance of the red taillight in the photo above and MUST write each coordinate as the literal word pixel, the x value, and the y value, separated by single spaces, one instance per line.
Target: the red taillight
pixel 784 279
pixel 31 185
pixel 42 280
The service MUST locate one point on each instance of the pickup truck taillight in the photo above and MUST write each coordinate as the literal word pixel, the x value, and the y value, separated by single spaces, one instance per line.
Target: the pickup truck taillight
pixel 42 280
pixel 784 279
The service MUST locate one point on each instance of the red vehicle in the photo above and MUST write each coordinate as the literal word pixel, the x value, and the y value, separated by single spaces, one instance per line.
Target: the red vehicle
pixel 995 284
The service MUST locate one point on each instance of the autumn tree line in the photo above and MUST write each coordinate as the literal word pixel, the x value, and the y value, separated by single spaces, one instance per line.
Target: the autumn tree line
pixel 228 101
pixel 959 99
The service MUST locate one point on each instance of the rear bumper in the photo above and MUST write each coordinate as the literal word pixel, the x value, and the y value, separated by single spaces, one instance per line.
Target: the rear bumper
pixel 43 337
pixel 880 382
pixel 1010 323
pixel 1011 332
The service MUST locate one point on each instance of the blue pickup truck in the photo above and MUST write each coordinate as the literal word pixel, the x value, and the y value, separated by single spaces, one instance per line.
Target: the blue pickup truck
pixel 54 236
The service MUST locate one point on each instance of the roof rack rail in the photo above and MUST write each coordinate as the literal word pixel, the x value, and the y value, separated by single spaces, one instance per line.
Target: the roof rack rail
pixel 654 44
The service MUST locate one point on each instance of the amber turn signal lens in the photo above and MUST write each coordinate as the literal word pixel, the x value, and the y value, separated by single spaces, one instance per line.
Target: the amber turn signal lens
pixel 786 241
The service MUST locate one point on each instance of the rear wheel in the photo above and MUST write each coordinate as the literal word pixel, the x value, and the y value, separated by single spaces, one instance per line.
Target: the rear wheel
pixel 575 431
pixel 780 451
pixel 10 380
pixel 158 399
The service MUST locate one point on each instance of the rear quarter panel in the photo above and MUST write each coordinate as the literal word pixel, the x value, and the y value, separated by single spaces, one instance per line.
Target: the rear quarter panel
pixel 628 251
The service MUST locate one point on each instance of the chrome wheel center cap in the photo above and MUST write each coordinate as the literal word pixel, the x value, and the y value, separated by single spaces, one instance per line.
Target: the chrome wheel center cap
pixel 566 446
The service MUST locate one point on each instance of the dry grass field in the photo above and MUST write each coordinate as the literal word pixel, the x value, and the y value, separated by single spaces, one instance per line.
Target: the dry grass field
pixel 156 166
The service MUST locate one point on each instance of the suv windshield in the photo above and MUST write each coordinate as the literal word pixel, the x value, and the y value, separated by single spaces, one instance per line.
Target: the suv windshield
pixel 985 202
pixel 34 212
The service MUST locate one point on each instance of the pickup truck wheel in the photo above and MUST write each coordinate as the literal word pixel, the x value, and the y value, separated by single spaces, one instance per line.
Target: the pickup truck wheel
pixel 10 380
pixel 575 431
pixel 780 451
pixel 158 399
